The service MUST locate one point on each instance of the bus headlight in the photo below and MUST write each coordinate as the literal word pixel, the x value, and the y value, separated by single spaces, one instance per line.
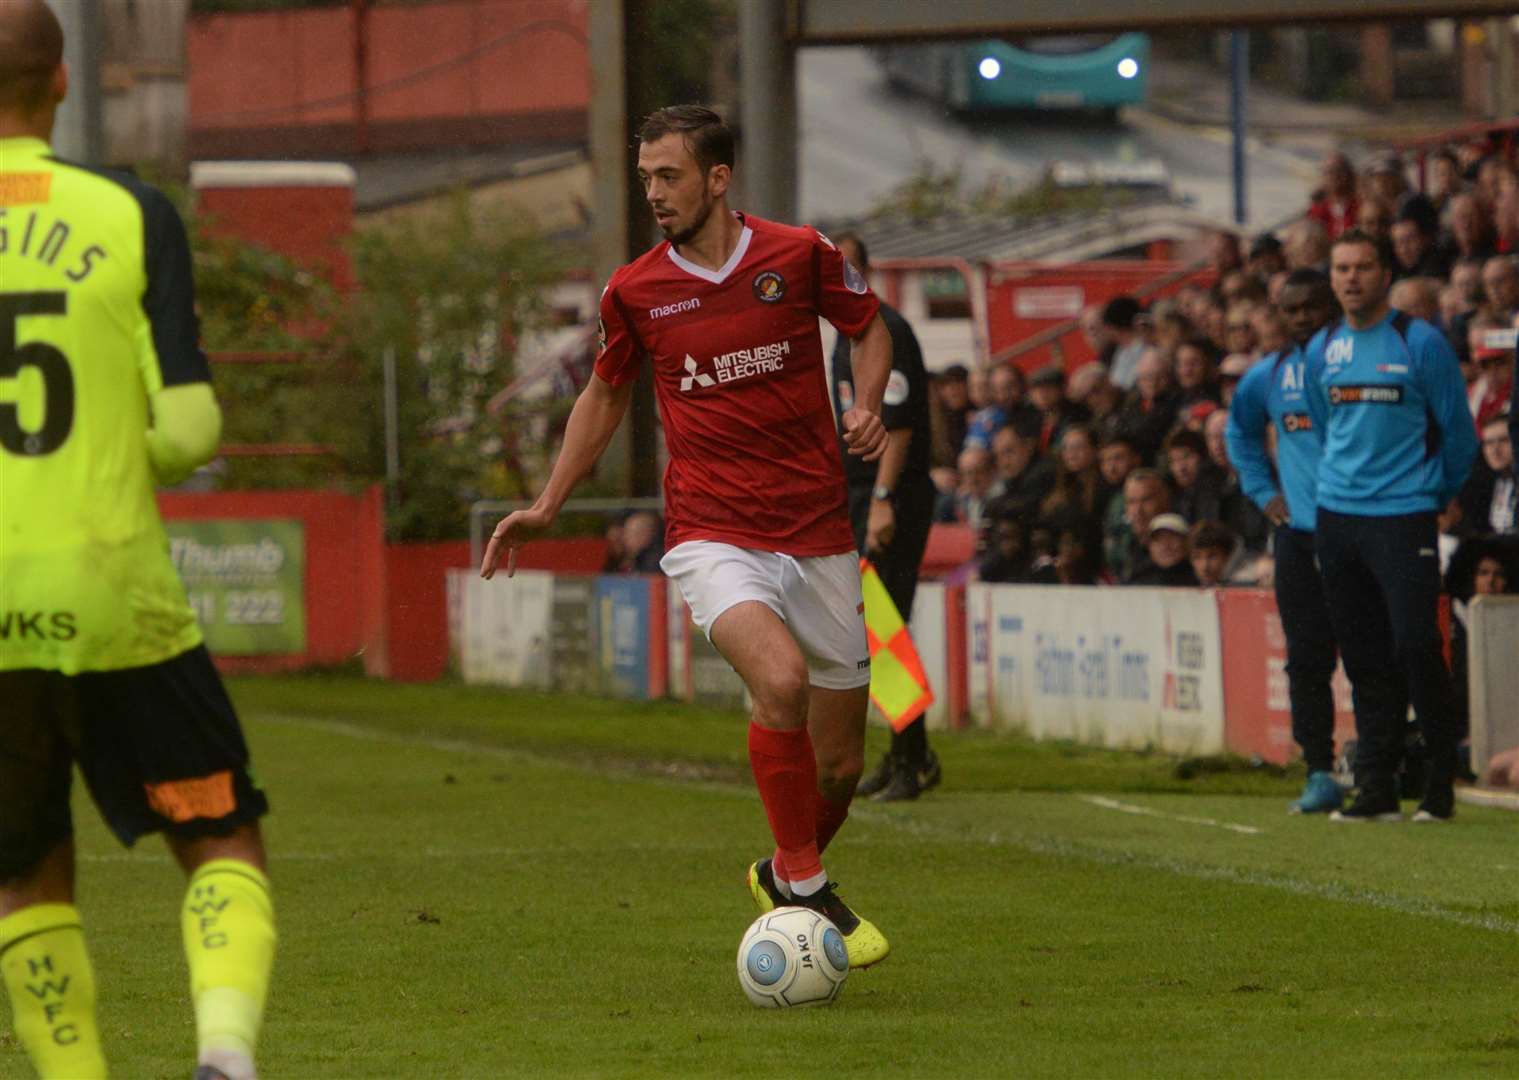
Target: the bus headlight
pixel 989 67
pixel 1128 67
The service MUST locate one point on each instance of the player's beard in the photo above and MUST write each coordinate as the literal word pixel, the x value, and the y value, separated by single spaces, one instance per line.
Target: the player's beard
pixel 686 235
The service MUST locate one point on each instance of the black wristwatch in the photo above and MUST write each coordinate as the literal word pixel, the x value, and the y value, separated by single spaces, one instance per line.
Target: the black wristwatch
pixel 881 493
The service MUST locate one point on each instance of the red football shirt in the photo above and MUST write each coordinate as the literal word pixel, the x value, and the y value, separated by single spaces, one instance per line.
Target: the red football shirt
pixel 739 377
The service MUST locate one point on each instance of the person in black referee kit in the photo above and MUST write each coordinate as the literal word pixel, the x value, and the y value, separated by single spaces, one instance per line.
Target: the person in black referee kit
pixel 891 504
pixel 1386 391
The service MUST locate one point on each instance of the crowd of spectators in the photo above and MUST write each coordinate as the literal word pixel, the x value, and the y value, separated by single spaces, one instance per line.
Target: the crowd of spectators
pixel 1118 472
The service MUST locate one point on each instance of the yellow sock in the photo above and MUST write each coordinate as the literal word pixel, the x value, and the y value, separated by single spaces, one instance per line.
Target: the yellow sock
pixel 52 990
pixel 228 922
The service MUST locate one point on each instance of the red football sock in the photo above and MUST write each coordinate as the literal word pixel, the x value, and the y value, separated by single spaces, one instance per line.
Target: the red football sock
pixel 829 815
pixel 787 776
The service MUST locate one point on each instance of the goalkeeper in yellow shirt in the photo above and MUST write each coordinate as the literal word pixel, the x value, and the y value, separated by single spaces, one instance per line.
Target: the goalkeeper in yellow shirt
pixel 103 392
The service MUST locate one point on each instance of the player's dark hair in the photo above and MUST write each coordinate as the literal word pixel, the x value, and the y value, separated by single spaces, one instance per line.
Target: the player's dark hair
pixel 31 48
pixel 1379 244
pixel 859 243
pixel 708 138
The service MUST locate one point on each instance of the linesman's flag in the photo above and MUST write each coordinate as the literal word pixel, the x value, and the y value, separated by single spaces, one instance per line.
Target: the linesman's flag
pixel 898 685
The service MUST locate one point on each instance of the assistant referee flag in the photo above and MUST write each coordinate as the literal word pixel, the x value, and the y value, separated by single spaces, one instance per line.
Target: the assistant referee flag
pixel 898 685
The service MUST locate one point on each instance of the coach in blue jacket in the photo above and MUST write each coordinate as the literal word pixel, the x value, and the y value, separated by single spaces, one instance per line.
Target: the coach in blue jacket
pixel 1387 393
pixel 1273 394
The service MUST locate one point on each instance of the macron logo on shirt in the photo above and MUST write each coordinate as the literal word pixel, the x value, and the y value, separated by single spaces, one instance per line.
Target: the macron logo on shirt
pixel 676 308
pixel 694 377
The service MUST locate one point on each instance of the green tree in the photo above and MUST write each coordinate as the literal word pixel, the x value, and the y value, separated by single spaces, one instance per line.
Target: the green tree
pixel 450 294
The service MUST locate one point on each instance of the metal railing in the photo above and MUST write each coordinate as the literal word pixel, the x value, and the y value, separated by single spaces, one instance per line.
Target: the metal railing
pixel 484 513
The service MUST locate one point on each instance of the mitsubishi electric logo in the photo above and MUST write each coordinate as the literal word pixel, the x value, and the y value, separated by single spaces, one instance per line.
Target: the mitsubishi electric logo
pixel 694 377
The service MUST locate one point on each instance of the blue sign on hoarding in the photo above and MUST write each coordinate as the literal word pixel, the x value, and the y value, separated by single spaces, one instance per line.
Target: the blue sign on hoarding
pixel 622 605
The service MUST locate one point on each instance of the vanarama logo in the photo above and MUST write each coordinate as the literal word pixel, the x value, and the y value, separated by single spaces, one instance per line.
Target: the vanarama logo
pixel 736 365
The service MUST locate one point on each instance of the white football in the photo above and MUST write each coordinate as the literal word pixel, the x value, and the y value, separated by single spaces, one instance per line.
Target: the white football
pixel 792 956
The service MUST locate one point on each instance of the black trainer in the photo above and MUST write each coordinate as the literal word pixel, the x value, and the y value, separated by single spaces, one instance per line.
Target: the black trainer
pixel 209 1072
pixel 875 781
pixel 1439 802
pixel 1371 804
pixel 904 785
pixel 928 773
pixel 826 901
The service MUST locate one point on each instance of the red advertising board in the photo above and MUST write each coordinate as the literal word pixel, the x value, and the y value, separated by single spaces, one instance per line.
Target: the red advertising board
pixel 1258 714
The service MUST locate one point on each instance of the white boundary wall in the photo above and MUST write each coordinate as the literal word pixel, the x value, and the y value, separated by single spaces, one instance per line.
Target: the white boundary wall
pixel 504 631
pixel 1493 676
pixel 928 629
pixel 1122 667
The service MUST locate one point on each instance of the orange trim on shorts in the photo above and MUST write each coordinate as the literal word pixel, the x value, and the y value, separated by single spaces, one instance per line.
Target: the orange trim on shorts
pixel 17 189
pixel 199 797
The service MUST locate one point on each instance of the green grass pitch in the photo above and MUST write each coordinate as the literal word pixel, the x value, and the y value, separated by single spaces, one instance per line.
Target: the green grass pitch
pixel 472 883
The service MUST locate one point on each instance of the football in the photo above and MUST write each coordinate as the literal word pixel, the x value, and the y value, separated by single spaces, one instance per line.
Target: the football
pixel 792 956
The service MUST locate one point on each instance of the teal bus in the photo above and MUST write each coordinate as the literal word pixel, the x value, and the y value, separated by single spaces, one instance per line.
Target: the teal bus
pixel 1064 71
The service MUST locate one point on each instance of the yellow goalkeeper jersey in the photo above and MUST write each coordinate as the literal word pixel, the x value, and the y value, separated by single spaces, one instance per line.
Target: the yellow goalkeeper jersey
pixel 97 318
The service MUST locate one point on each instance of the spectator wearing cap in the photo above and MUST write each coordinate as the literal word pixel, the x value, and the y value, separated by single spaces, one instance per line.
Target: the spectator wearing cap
pixel 1335 205
pixel 1266 256
pixel 1150 410
pixel 1483 366
pixel 1415 236
pixel 1122 318
pixel 1166 546
pixel 949 415
pixel 1046 393
pixel 1145 497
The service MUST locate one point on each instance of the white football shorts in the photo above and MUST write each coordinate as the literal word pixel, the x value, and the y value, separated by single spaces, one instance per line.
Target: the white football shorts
pixel 817 597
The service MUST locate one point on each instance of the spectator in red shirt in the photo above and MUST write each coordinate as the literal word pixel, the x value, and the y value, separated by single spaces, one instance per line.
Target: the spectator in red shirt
pixel 1336 206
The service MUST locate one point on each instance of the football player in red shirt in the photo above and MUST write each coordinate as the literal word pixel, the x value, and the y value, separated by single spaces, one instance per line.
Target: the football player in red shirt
pixel 759 540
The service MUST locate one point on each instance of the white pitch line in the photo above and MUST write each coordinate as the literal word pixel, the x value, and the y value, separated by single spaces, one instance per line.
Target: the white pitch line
pixel 1145 811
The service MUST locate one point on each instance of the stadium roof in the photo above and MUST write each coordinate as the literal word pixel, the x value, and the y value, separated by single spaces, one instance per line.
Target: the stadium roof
pixel 1067 236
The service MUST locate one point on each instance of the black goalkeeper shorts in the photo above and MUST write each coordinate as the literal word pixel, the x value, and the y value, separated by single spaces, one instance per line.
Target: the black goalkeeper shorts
pixel 159 747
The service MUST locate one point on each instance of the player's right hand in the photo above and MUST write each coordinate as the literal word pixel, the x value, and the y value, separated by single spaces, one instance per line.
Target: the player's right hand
pixel 511 533
pixel 1276 511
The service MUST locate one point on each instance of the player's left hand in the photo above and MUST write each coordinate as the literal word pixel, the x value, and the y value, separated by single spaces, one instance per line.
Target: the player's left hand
pixel 864 433
pixel 880 526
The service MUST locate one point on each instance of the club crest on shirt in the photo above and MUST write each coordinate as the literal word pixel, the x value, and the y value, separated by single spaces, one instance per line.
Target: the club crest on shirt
pixel 769 286
pixel 854 281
